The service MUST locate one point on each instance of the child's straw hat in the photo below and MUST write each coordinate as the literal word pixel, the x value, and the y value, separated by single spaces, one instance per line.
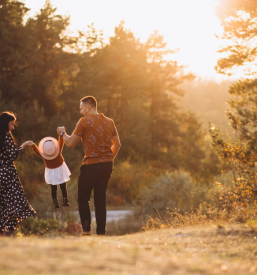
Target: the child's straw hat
pixel 49 148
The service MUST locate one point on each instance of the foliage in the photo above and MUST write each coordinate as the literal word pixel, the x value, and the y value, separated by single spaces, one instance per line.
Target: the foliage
pixel 202 216
pixel 237 201
pixel 234 156
pixel 170 191
pixel 240 200
pixel 127 180
pixel 227 205
pixel 207 99
pixel 49 226
pixel 239 22
pixel 44 72
pixel 232 202
pixel 34 226
pixel 73 228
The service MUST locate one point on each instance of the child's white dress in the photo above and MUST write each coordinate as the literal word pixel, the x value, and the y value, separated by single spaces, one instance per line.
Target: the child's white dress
pixel 57 175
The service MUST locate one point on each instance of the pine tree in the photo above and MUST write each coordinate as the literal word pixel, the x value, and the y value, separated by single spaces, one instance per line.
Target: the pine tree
pixel 13 49
pixel 239 19
pixel 49 60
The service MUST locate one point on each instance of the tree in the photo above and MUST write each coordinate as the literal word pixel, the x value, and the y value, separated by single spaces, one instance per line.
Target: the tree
pixel 238 18
pixel 164 80
pixel 13 49
pixel 116 75
pixel 50 61
pixel 137 85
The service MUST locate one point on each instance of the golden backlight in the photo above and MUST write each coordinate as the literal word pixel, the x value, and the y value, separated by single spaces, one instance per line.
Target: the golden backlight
pixel 190 25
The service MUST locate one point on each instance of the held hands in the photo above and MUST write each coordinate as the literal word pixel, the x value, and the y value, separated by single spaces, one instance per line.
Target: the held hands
pixel 60 130
pixel 28 143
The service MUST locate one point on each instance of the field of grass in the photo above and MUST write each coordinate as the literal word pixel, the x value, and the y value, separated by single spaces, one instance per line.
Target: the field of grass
pixel 192 250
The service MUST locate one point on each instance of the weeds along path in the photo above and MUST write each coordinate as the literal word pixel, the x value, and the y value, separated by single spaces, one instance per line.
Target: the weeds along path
pixel 195 250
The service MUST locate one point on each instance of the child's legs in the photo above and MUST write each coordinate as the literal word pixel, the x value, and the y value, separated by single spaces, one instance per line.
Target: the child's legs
pixel 54 191
pixel 64 190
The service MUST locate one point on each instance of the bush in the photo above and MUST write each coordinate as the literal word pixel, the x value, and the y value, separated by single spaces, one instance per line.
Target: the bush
pixel 170 191
pixel 62 223
pixel 35 226
pixel 73 228
pixel 229 204
pixel 126 181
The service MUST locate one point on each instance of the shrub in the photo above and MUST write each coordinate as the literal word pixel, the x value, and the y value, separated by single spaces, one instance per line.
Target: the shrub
pixel 236 204
pixel 170 191
pixel 73 228
pixel 35 226
pixel 126 181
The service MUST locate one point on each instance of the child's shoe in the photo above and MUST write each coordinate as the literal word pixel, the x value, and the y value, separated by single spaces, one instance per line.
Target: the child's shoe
pixel 56 203
pixel 85 233
pixel 65 202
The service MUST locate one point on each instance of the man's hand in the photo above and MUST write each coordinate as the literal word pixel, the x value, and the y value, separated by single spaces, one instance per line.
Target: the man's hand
pixel 70 141
pixel 60 130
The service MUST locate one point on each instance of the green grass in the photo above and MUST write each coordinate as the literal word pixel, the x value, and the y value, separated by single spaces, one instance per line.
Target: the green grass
pixel 192 250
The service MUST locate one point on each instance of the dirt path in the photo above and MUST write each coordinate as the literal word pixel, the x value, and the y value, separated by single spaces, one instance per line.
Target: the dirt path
pixel 168 251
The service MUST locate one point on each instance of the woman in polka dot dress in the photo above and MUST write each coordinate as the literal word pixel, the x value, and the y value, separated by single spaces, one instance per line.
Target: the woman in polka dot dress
pixel 14 206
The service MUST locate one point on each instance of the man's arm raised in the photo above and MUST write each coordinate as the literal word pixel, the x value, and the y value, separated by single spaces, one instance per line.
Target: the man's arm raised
pixel 70 141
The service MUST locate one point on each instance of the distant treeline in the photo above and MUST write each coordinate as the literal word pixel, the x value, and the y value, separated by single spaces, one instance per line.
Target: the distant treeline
pixel 208 100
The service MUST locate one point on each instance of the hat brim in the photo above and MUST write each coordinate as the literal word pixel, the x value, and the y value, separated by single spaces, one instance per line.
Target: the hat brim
pixel 41 151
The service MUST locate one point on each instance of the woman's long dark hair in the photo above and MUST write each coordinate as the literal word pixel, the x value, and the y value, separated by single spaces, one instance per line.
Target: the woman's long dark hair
pixel 5 118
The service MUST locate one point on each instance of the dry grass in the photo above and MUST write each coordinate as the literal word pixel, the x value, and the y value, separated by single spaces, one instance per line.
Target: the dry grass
pixel 203 216
pixel 192 250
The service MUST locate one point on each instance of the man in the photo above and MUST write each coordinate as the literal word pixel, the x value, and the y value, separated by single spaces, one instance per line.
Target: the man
pixel 101 144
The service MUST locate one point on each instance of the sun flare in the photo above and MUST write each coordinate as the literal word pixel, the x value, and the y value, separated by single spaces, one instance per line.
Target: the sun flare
pixel 188 25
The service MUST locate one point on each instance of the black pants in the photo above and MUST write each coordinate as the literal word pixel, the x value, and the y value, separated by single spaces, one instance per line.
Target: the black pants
pixel 63 188
pixel 93 176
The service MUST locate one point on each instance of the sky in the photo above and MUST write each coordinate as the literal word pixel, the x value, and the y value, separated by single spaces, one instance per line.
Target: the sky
pixel 188 25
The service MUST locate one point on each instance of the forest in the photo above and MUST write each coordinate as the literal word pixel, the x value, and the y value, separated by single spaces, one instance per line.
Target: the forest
pixel 182 198
pixel 165 117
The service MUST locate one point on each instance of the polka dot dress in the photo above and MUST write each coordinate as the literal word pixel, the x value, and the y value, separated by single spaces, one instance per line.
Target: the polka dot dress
pixel 14 206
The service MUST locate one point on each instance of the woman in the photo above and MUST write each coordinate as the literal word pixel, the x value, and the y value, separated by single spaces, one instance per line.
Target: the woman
pixel 14 206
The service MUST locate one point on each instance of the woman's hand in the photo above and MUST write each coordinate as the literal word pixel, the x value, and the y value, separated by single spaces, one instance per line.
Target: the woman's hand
pixel 28 143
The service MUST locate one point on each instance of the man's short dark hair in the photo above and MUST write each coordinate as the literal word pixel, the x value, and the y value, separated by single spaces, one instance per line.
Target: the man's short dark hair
pixel 90 100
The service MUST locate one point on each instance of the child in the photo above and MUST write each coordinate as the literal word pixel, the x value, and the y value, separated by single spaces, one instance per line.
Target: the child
pixel 56 171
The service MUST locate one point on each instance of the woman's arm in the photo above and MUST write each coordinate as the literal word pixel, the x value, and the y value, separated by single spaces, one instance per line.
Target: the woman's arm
pixel 13 152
